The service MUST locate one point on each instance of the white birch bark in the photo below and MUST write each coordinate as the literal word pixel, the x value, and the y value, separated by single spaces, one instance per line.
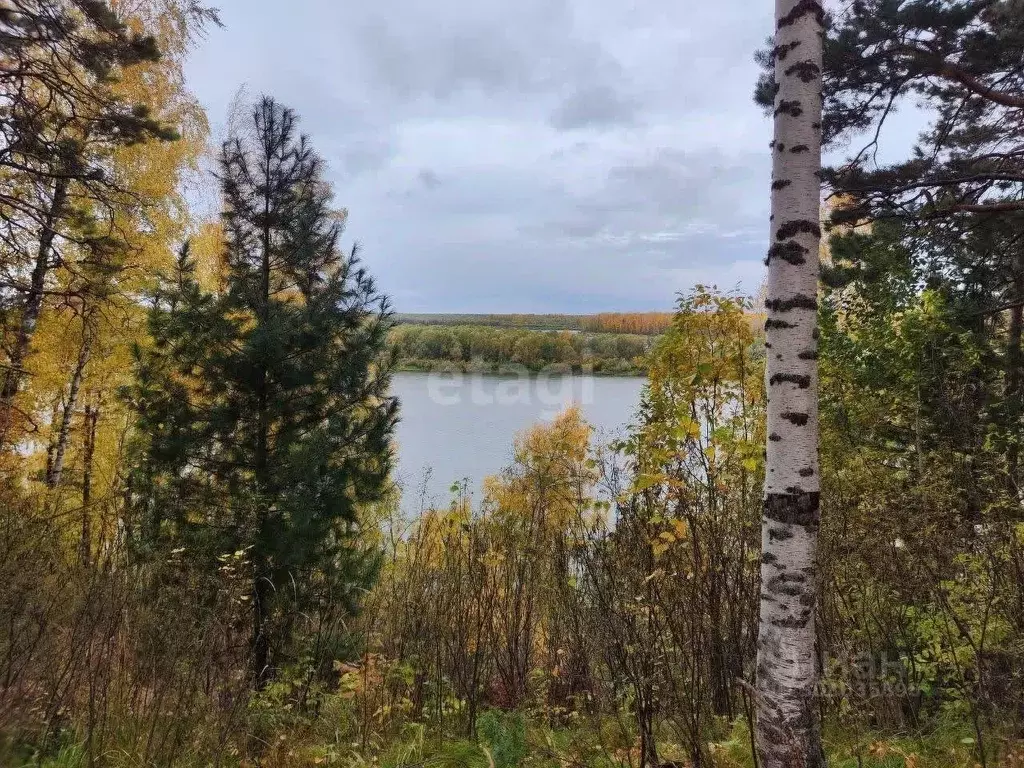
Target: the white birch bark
pixel 56 469
pixel 788 733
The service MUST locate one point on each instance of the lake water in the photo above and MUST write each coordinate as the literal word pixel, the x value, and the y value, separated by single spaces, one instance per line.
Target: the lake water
pixel 459 427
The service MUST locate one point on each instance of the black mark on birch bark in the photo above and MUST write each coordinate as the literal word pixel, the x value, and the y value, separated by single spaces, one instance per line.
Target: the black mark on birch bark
pixel 771 323
pixel 796 227
pixel 790 252
pixel 791 108
pixel 800 301
pixel 796 508
pixel 802 381
pixel 800 419
pixel 780 52
pixel 800 10
pixel 792 622
pixel 781 183
pixel 790 585
pixel 805 70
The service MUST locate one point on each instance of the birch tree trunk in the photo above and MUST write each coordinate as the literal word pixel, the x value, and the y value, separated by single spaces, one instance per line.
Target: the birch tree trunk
pixel 31 309
pixel 92 415
pixel 55 469
pixel 788 734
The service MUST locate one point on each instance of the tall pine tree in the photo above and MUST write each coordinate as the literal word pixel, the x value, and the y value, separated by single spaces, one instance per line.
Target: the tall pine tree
pixel 265 406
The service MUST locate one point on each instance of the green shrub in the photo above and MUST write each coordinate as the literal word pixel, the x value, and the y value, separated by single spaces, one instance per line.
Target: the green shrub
pixel 504 735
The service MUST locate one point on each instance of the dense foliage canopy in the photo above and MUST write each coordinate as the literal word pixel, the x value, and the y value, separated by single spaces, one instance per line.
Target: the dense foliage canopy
pixel 483 348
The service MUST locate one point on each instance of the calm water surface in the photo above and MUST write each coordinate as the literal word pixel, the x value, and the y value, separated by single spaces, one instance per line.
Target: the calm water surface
pixel 459 427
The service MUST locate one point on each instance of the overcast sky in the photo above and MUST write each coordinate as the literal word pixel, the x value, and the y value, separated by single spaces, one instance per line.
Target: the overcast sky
pixel 533 156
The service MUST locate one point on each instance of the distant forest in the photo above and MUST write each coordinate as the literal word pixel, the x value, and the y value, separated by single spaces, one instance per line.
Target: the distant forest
pixel 640 323
pixel 489 349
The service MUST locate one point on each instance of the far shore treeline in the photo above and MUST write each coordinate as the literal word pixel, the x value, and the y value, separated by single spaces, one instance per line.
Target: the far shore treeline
pixel 613 343
pixel 492 349
pixel 641 323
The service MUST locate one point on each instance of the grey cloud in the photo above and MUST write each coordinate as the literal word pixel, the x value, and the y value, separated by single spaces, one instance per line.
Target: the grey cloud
pixel 442 68
pixel 429 179
pixel 575 148
pixel 694 183
pixel 443 49
pixel 598 106
pixel 349 134
pixel 362 156
pixel 669 197
pixel 547 155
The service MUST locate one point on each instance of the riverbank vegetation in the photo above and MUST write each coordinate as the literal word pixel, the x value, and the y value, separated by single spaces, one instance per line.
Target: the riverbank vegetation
pixel 642 323
pixel 477 349
pixel 204 558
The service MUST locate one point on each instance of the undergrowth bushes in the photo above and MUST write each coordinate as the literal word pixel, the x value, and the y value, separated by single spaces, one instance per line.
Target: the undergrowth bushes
pixel 597 608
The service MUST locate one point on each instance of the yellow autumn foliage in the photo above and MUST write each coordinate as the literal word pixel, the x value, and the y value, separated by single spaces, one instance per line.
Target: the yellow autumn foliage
pixel 104 312
pixel 549 474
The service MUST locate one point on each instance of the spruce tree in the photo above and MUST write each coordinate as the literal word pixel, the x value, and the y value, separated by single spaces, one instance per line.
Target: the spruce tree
pixel 265 406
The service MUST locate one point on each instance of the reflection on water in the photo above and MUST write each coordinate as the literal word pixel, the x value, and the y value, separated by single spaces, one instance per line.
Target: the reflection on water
pixel 461 426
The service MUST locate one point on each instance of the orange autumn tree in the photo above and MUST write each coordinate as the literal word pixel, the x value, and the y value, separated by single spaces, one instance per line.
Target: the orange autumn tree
pixel 644 323
pixel 533 506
